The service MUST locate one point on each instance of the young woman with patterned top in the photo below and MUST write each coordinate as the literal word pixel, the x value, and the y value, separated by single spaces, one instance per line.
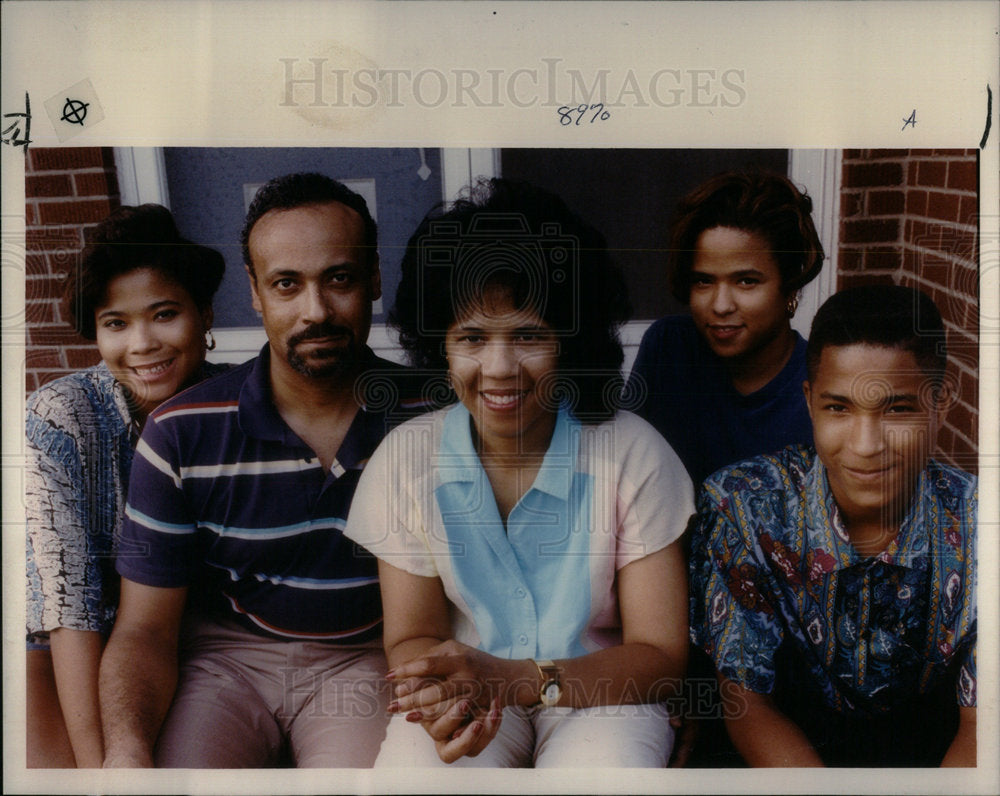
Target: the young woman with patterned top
pixel 144 294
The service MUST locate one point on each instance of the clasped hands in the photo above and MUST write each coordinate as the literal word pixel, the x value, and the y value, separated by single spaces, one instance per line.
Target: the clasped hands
pixel 457 693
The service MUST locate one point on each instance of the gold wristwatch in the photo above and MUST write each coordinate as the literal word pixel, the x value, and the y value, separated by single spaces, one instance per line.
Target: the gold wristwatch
pixel 551 689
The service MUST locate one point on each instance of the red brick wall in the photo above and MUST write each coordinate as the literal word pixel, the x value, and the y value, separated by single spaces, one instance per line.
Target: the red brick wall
pixel 911 217
pixel 66 190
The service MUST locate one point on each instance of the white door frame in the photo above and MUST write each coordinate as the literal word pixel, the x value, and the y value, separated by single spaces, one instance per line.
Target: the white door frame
pixel 142 178
pixel 818 171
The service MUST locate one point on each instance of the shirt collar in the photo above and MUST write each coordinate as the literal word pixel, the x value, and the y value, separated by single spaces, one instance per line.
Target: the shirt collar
pixel 259 417
pixel 910 543
pixel 826 529
pixel 459 462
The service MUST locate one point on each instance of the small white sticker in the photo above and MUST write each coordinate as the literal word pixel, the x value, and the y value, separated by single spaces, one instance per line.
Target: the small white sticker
pixel 74 109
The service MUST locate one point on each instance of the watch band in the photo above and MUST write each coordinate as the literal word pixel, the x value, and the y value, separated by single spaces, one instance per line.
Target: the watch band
pixel 551 688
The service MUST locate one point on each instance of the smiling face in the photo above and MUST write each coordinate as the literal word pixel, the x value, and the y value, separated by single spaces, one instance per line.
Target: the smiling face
pixel 313 284
pixel 498 360
pixel 151 335
pixel 736 298
pixel 872 432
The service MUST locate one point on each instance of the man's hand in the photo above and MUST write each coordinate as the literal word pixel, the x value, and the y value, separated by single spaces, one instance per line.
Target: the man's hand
pixel 139 672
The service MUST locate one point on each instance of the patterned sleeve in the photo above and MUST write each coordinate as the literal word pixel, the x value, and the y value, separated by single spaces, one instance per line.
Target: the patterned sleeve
pixel 64 512
pixel 390 506
pixel 731 617
pixel 159 535
pixel 966 684
pixel 965 688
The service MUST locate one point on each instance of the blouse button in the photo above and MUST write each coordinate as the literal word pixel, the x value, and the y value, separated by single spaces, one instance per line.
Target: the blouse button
pixel 522 639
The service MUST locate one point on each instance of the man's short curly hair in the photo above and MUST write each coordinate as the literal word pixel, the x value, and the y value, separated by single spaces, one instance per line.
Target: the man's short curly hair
pixel 129 239
pixel 306 188
pixel 757 201
pixel 527 242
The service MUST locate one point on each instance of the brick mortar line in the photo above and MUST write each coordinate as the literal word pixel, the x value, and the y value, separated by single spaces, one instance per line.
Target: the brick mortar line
pixel 962 367
pixel 960 158
pixel 948 324
pixel 965 262
pixel 868 271
pixel 908 187
pixel 942 222
pixel 973 444
pixel 961 193
pixel 969 361
pixel 951 296
pixel 864 189
pixel 965 371
pixel 963 226
pixel 970 409
pixel 968 338
pixel 951 291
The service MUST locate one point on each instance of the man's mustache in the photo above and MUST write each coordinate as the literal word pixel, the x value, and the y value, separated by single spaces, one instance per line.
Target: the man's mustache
pixel 319 330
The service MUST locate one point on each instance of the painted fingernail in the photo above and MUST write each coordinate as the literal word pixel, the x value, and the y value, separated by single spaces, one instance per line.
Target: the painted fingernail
pixel 415 716
pixel 477 727
pixel 391 674
pixel 393 707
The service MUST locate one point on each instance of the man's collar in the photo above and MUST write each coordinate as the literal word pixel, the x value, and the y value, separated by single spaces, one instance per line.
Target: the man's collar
pixel 827 531
pixel 258 415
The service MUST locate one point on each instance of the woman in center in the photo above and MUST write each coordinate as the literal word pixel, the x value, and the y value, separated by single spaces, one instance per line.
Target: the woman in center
pixel 533 586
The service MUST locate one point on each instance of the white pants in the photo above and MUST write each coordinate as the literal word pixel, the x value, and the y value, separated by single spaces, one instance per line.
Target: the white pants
pixel 608 736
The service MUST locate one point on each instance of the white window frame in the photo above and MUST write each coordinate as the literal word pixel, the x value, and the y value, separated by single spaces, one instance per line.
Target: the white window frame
pixel 142 178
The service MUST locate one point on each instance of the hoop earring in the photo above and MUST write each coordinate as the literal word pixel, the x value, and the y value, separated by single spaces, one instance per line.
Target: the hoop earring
pixel 209 340
pixel 792 305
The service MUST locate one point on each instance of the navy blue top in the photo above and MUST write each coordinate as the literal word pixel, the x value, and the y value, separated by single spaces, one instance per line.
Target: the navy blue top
pixel 688 395
pixel 225 498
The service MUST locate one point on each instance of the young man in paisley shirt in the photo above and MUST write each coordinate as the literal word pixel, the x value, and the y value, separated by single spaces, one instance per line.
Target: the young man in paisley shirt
pixel 834 587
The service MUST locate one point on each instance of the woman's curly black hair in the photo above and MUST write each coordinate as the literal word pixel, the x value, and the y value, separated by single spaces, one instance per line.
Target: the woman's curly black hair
pixel 527 242
pixel 138 237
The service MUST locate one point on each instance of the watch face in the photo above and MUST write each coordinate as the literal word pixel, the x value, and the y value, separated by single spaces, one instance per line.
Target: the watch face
pixel 550 693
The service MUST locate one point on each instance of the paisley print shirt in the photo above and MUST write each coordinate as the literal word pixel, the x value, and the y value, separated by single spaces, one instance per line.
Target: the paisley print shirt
pixel 772 565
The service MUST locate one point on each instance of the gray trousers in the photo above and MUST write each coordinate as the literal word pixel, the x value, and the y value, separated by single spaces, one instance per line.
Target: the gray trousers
pixel 247 701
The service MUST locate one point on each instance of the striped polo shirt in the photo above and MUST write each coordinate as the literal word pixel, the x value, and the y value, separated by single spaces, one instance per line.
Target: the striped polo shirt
pixel 227 500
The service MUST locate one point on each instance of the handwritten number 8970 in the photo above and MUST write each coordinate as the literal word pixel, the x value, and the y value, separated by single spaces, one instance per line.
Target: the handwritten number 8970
pixel 582 111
